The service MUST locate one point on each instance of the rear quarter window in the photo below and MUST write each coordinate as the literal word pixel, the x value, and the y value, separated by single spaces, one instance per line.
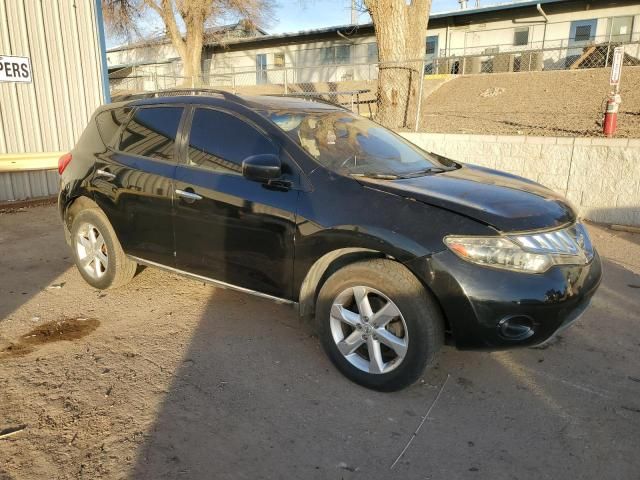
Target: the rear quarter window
pixel 109 123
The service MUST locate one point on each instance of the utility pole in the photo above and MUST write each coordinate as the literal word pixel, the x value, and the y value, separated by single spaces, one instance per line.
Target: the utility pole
pixel 354 13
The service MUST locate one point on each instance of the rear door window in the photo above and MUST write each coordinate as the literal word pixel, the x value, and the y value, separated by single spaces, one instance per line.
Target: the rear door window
pixel 220 141
pixel 152 132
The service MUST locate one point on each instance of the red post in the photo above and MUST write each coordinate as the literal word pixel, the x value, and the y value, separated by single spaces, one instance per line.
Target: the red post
pixel 611 115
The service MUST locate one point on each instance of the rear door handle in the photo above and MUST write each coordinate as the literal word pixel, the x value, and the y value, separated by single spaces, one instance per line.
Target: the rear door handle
pixel 105 174
pixel 188 196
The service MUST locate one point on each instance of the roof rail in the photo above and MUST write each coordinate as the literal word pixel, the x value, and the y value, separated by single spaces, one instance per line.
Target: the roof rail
pixel 175 92
pixel 312 97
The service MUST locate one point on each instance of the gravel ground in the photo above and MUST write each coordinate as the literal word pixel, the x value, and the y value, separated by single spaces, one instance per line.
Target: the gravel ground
pixel 169 378
pixel 554 103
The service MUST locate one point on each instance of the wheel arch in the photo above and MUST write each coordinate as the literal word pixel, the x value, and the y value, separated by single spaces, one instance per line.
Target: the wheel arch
pixel 334 260
pixel 71 208
pixel 323 268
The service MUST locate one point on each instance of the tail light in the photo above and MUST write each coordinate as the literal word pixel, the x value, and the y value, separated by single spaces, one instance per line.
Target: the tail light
pixel 63 161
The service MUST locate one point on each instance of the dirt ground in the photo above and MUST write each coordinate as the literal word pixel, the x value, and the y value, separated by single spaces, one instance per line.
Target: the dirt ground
pixel 170 378
pixel 554 103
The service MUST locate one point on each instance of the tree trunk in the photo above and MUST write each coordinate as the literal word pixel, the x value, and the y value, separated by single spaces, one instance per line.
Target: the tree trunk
pixel 192 61
pixel 190 47
pixel 401 31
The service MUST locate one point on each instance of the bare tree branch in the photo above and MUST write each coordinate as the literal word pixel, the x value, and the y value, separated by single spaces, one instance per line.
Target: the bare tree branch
pixel 124 17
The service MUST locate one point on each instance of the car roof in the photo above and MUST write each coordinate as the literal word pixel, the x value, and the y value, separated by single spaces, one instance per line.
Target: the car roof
pixel 214 97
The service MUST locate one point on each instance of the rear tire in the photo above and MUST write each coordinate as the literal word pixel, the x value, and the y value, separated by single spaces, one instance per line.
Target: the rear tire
pixel 97 251
pixel 378 306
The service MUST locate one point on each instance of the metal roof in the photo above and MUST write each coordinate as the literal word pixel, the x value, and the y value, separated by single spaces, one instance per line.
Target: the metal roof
pixel 350 29
pixel 492 8
pixel 366 28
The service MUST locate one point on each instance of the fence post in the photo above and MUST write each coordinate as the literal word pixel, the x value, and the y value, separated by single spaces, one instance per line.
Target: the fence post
pixel 286 81
pixel 419 107
pixel 233 80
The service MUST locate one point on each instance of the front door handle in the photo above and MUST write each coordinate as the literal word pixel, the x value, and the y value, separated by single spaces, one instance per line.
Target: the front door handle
pixel 188 196
pixel 105 174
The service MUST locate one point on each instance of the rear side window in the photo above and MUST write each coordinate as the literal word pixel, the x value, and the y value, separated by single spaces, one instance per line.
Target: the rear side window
pixel 109 123
pixel 220 141
pixel 151 132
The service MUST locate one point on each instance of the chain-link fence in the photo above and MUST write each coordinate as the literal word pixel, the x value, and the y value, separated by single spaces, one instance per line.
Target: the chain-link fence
pixel 390 93
pixel 551 58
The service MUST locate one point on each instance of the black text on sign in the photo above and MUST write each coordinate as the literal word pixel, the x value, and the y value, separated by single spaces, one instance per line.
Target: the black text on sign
pixel 15 69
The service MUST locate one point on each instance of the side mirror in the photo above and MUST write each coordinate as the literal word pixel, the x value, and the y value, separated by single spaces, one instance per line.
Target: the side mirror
pixel 262 168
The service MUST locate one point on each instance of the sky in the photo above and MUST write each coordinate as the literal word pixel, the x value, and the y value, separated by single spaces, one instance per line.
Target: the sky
pixel 295 15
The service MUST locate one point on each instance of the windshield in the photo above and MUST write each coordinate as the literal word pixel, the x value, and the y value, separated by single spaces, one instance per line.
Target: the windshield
pixel 352 145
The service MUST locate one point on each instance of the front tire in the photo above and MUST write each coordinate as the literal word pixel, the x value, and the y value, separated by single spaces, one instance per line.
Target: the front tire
pixel 97 251
pixel 378 324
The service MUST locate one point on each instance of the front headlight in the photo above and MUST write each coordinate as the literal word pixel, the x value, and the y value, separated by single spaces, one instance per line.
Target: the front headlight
pixel 532 252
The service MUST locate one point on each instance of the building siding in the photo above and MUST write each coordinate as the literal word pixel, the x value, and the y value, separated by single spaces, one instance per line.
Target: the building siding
pixel 48 115
pixel 26 185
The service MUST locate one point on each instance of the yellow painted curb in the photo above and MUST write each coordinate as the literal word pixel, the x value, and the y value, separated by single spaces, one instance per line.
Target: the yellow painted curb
pixel 22 162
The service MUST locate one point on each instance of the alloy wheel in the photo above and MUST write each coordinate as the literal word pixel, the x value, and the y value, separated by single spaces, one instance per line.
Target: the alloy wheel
pixel 369 330
pixel 92 252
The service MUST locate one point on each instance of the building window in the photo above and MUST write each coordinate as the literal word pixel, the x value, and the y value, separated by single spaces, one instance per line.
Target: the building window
pixel 340 54
pixel 372 53
pixel 343 54
pixel 583 33
pixel 278 60
pixel 327 56
pixel 432 45
pixel 619 29
pixel 521 36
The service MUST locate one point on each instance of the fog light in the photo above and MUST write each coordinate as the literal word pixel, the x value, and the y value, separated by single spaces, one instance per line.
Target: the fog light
pixel 517 327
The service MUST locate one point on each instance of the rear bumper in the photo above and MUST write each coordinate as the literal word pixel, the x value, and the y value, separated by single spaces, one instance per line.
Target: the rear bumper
pixel 491 309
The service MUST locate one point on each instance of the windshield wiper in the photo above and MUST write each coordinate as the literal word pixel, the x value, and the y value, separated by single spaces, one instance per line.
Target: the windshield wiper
pixel 379 176
pixel 425 171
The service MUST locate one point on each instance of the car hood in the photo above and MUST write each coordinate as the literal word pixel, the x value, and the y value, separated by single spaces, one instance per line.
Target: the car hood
pixel 504 201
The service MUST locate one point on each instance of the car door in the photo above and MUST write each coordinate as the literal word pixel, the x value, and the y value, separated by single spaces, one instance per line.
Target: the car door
pixel 229 228
pixel 133 182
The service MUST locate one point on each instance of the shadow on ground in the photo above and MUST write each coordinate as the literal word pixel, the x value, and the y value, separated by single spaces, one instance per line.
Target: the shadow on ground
pixel 255 397
pixel 34 230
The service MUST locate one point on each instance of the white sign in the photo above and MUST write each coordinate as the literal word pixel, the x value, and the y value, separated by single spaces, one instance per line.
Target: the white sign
pixel 616 66
pixel 15 69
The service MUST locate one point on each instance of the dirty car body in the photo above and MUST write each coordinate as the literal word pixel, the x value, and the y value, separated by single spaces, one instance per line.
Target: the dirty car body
pixel 507 260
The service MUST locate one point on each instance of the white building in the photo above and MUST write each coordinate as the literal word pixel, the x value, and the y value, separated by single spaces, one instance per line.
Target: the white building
pixel 528 35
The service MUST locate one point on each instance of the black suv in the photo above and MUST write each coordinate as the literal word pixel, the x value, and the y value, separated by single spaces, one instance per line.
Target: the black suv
pixel 392 249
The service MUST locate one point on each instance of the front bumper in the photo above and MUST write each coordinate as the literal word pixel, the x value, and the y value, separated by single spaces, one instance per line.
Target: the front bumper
pixel 477 301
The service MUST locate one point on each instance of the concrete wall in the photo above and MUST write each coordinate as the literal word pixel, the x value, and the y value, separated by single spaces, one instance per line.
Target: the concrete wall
pixel 601 177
